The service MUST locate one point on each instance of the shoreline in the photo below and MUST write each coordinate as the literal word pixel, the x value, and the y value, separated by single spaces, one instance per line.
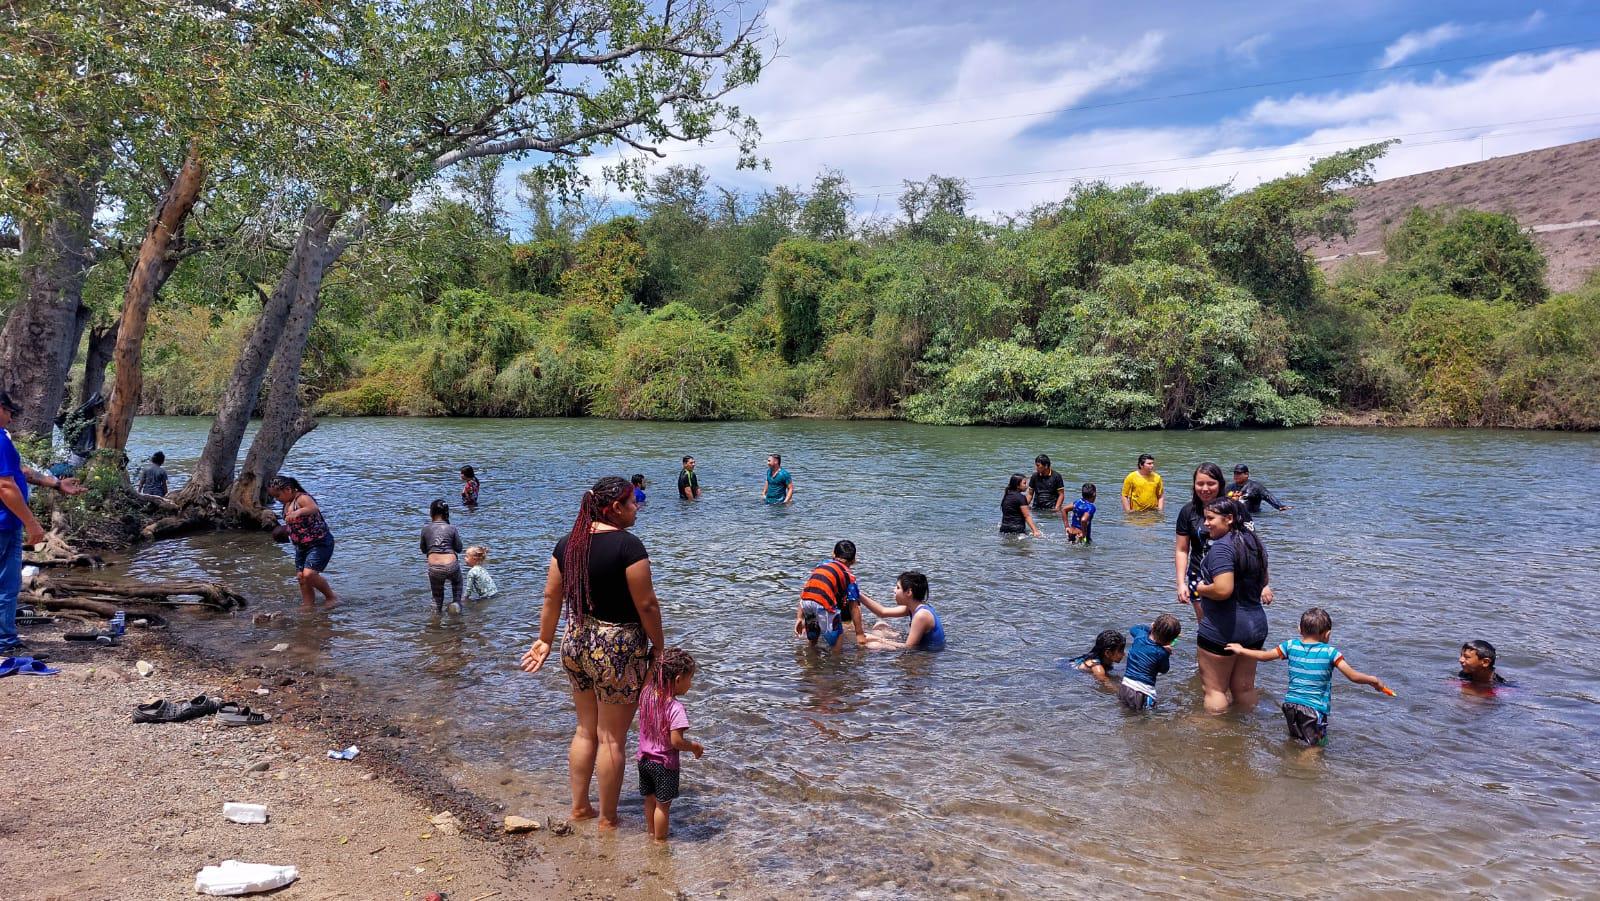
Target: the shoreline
pixel 1330 419
pixel 102 807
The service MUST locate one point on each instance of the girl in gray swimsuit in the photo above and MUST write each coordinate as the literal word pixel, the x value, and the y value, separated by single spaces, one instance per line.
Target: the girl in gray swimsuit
pixel 442 543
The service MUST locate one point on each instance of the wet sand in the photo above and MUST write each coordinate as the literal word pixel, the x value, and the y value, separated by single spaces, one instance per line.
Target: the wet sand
pixel 97 806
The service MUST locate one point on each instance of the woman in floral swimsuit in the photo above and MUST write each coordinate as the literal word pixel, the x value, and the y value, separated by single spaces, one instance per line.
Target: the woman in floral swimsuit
pixel 313 541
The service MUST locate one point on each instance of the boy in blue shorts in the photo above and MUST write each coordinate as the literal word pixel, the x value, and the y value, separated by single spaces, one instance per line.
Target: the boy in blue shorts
pixel 1311 664
pixel 1080 516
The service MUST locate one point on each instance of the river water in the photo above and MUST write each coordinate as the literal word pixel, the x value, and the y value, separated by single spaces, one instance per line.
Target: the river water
pixel 988 770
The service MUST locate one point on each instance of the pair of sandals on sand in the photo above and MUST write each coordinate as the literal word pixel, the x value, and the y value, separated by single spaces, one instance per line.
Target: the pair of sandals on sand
pixel 25 666
pixel 228 713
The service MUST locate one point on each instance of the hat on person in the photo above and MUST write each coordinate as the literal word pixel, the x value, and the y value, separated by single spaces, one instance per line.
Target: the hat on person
pixel 11 405
pixel 1241 468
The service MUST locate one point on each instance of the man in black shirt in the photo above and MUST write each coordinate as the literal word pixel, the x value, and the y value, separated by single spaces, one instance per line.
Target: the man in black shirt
pixel 1251 492
pixel 688 482
pixel 1046 489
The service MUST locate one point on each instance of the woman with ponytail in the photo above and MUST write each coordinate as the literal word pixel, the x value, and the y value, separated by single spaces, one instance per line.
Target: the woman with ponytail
pixel 1230 594
pixel 600 577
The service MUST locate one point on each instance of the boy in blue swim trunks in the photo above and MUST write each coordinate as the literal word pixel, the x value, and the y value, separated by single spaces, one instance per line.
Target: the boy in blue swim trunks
pixel 831 598
pixel 1311 664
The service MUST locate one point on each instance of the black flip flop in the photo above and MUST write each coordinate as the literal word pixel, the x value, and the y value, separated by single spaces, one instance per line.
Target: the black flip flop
pixel 156 712
pixel 100 637
pixel 234 715
pixel 197 707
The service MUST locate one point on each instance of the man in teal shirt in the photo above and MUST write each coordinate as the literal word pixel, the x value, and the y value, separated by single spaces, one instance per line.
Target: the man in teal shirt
pixel 780 487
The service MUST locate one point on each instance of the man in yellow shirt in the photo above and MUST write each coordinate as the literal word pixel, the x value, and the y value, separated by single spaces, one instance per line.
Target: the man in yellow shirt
pixel 1142 489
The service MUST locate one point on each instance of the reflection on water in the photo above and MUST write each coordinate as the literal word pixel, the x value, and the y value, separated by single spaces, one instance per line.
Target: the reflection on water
pixel 986 769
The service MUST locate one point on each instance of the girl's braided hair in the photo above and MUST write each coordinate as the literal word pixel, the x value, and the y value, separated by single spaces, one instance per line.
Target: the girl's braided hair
pixel 657 695
pixel 575 562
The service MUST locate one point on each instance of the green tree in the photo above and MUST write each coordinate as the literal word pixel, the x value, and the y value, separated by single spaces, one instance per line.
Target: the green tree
pixel 1467 253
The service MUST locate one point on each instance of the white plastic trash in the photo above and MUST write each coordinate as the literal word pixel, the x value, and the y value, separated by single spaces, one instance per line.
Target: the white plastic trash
pixel 245 813
pixel 347 754
pixel 235 877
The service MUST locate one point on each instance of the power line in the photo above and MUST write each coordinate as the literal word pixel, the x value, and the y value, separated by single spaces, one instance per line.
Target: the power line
pixel 866 190
pixel 1322 48
pixel 1292 157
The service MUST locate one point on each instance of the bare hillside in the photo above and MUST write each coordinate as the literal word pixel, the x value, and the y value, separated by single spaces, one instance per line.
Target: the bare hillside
pixel 1556 191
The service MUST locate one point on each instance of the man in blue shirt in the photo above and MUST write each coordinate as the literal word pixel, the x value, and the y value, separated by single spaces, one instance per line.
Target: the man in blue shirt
pixel 780 487
pixel 18 525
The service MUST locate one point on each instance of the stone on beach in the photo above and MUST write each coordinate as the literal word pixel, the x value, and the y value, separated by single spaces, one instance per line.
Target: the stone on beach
pixel 516 824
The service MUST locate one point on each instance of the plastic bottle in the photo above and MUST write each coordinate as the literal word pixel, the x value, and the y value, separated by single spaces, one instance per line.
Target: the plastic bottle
pixel 119 623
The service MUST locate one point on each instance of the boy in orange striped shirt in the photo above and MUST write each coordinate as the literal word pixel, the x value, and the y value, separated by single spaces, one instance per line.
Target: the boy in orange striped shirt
pixel 830 598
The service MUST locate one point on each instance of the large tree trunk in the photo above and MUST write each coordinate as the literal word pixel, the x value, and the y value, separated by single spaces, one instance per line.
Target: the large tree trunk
pixel 213 472
pixel 102 344
pixel 150 271
pixel 40 336
pixel 285 418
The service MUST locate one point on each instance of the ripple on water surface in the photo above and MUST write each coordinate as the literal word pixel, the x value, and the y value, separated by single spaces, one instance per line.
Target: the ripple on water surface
pixel 987 769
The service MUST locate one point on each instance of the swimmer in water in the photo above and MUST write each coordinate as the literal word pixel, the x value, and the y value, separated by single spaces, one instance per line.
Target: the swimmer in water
pixel 1014 516
pixel 1149 657
pixel 1311 664
pixel 911 600
pixel 830 599
pixel 1110 648
pixel 1080 516
pixel 1477 666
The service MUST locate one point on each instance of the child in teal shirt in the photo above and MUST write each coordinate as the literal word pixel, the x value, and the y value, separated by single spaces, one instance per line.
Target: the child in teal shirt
pixel 1311 664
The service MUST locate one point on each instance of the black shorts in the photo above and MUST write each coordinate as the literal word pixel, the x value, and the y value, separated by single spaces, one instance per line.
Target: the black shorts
pixel 657 780
pixel 1221 650
pixel 1307 726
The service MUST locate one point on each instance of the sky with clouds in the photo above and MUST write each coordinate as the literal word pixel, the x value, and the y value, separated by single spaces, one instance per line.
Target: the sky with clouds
pixel 1022 98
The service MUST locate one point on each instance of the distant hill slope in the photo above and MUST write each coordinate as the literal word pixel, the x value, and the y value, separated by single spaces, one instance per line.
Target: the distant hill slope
pixel 1555 190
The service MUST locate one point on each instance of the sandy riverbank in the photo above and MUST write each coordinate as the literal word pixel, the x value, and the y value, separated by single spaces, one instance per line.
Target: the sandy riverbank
pixel 97 806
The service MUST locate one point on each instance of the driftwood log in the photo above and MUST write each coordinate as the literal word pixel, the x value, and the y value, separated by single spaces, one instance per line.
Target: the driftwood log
pixel 102 609
pixel 207 594
pixel 55 551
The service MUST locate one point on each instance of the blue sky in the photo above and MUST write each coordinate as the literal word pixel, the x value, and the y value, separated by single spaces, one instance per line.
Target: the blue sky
pixel 1023 98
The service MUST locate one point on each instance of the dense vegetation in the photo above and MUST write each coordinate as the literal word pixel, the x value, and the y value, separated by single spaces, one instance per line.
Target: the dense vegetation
pixel 1115 307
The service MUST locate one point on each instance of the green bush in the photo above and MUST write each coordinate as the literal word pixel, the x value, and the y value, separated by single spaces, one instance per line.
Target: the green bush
pixel 1551 374
pixel 1468 253
pixel 1449 347
pixel 674 366
pixel 389 383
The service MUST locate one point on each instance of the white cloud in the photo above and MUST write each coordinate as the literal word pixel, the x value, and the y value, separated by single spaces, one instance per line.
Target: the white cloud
pixel 1249 49
pixel 1412 43
pixel 876 103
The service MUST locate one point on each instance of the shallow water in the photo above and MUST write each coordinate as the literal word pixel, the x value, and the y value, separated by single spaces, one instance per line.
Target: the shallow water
pixel 987 770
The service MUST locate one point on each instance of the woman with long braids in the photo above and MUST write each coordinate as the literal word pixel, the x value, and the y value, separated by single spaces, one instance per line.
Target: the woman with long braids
pixel 313 540
pixel 600 576
pixel 1230 594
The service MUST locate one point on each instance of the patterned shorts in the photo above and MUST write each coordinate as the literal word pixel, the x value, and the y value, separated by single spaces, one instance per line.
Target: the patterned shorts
pixel 657 780
pixel 610 659
pixel 1307 725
